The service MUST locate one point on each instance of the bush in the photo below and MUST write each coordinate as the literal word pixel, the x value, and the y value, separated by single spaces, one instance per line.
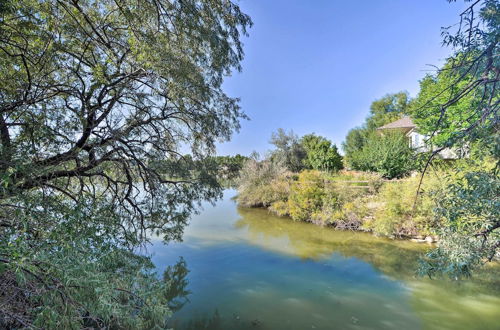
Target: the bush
pixel 307 196
pixel 401 213
pixel 388 154
pixel 325 199
pixel 262 183
pixel 321 154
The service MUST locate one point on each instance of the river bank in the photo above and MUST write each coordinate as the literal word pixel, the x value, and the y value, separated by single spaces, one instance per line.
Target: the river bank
pixel 351 201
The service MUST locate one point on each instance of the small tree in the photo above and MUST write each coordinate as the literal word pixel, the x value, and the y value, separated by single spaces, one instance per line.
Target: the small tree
pixel 289 151
pixel 262 182
pixel 321 154
pixel 388 154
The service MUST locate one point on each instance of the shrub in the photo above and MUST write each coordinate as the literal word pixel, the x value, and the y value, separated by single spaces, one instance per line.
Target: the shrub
pixel 306 196
pixel 388 154
pixel 320 198
pixel 262 183
pixel 321 154
pixel 401 213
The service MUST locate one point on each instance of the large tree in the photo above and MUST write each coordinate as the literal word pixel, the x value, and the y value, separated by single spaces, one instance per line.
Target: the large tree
pixel 459 106
pixel 93 95
pixel 387 109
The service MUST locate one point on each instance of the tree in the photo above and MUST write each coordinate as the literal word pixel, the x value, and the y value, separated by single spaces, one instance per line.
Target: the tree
pixel 471 209
pixel 230 166
pixel 388 154
pixel 382 111
pixel 262 182
pixel 426 110
pixel 354 142
pixel 92 96
pixel 387 109
pixel 463 102
pixel 320 153
pixel 289 151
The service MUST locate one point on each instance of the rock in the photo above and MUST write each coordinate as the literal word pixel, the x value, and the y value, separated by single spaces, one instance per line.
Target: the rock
pixel 429 239
pixel 256 323
pixel 417 240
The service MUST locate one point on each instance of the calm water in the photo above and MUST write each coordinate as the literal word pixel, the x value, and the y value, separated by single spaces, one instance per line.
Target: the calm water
pixel 251 270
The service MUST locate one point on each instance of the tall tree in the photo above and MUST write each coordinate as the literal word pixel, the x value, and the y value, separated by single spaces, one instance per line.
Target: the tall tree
pixel 354 141
pixel 386 109
pixel 92 95
pixel 463 100
pixel 382 111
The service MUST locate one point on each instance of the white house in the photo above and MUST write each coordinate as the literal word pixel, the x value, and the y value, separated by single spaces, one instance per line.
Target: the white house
pixel 418 141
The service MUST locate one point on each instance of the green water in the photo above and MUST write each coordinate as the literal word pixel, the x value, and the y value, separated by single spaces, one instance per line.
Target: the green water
pixel 251 270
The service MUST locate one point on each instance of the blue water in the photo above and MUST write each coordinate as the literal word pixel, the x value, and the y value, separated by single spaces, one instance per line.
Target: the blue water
pixel 251 270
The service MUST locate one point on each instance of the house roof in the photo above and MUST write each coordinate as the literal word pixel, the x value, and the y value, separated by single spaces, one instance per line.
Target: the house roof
pixel 404 122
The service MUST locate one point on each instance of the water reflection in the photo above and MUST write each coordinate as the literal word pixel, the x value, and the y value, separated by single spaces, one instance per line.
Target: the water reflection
pixel 391 257
pixel 177 293
pixel 250 269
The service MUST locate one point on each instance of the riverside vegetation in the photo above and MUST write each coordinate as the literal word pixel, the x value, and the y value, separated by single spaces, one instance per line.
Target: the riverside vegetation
pixel 100 99
pixel 97 100
pixel 457 107
pixel 366 201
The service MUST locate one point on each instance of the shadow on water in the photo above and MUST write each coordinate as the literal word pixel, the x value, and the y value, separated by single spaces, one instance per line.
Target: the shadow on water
pixel 252 270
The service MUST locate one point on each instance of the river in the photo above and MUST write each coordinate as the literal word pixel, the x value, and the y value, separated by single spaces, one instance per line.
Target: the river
pixel 249 269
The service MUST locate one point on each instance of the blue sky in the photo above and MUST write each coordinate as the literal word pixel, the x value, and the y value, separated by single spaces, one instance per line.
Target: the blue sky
pixel 316 65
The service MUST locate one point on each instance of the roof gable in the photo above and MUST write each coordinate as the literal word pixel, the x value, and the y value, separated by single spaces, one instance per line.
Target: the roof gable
pixel 404 122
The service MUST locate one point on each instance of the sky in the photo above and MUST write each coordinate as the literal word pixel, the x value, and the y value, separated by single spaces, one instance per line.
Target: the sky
pixel 315 66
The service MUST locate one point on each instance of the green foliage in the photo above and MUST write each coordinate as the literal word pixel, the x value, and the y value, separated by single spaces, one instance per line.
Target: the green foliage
pixel 320 153
pixel 387 109
pixel 458 106
pixel 229 167
pixel 382 111
pixel 387 154
pixel 400 212
pixel 289 151
pixel 354 142
pixel 78 275
pixel 426 107
pixel 326 199
pixel 262 183
pixel 307 196
pixel 471 212
pixel 97 100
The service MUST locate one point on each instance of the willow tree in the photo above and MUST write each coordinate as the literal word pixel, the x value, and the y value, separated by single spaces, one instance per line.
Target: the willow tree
pixel 97 99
